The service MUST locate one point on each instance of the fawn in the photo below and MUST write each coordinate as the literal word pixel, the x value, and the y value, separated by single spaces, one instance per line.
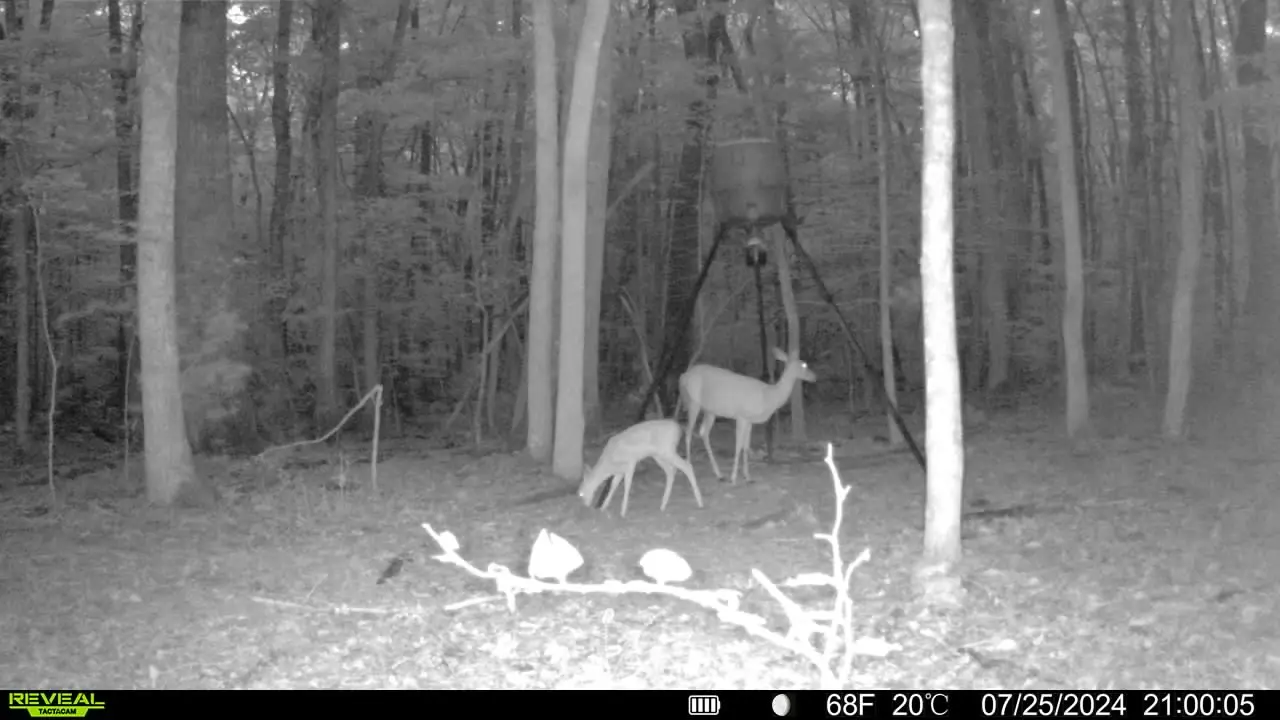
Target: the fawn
pixel 657 439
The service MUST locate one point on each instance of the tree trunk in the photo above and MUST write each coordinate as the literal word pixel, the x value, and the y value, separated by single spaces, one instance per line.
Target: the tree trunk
pixel 168 459
pixel 205 239
pixel 273 331
pixel 597 218
pixel 1015 204
pixel 567 456
pixel 508 363
pixel 378 67
pixel 889 377
pixel 994 129
pixel 11 150
pixel 1079 132
pixel 123 75
pixel 979 126
pixel 326 32
pixel 1263 293
pixel 943 432
pixel 1077 382
pixel 282 202
pixel 1154 250
pixel 1217 185
pixel 1134 218
pixel 540 385
pixel 1187 69
pixel 20 248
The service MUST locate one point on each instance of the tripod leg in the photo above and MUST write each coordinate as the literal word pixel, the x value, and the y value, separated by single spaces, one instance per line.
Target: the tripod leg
pixel 766 375
pixel 789 226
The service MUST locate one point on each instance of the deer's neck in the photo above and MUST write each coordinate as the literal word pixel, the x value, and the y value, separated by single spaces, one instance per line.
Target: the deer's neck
pixel 778 392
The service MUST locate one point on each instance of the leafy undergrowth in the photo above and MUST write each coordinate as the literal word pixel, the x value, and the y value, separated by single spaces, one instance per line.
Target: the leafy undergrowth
pixel 1124 565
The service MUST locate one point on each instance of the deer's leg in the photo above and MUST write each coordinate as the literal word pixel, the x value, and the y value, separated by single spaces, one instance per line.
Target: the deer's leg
pixel 693 411
pixel 613 487
pixel 626 487
pixel 670 470
pixel 684 467
pixel 741 449
pixel 737 450
pixel 705 433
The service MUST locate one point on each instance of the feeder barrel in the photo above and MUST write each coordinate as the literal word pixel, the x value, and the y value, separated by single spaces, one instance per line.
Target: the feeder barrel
pixel 749 182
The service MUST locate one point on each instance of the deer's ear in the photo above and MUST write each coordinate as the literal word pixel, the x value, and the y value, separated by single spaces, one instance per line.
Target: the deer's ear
pixel 777 352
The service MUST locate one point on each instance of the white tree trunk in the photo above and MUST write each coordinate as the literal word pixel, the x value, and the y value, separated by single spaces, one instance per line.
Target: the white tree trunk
pixel 539 377
pixel 1187 69
pixel 597 212
pixel 1077 380
pixel 944 443
pixel 566 459
pixel 168 459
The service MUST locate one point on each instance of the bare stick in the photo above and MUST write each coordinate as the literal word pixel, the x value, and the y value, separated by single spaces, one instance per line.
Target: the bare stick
pixel 376 395
pixel 644 345
pixel 489 346
pixel 629 188
pixel 482 373
pixel 377 431
pixel 124 405
pixel 53 357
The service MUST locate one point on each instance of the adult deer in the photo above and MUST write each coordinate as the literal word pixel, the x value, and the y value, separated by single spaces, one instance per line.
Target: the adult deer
pixel 719 393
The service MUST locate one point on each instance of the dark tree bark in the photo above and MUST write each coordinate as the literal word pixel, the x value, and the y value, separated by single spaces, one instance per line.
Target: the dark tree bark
pixel 1133 343
pixel 1263 293
pixel 123 74
pixel 282 203
pixel 1008 160
pixel 325 34
pixel 206 243
pixel 684 260
pixel 11 150
pixel 371 183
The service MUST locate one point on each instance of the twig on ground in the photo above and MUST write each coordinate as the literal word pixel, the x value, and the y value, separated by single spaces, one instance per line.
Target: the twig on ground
pixel 332 610
pixel 374 394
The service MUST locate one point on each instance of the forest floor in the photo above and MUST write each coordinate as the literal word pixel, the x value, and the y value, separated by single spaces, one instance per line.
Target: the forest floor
pixel 1119 562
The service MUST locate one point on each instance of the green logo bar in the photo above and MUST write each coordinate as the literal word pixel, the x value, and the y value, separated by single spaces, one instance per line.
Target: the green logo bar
pixel 55 704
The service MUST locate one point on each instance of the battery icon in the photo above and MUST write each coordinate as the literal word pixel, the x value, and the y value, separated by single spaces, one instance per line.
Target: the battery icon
pixel 704 704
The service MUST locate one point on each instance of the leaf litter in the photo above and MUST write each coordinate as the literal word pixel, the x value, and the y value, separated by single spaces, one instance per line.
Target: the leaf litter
pixel 1120 568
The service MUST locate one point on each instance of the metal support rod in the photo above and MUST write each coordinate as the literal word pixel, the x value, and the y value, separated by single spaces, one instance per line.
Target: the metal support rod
pixel 789 225
pixel 766 373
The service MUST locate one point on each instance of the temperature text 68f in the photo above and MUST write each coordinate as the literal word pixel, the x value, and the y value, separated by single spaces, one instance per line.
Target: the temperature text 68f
pixel 930 704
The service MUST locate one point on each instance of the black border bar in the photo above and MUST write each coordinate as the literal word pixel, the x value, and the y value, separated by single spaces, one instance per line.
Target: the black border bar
pixel 1188 704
